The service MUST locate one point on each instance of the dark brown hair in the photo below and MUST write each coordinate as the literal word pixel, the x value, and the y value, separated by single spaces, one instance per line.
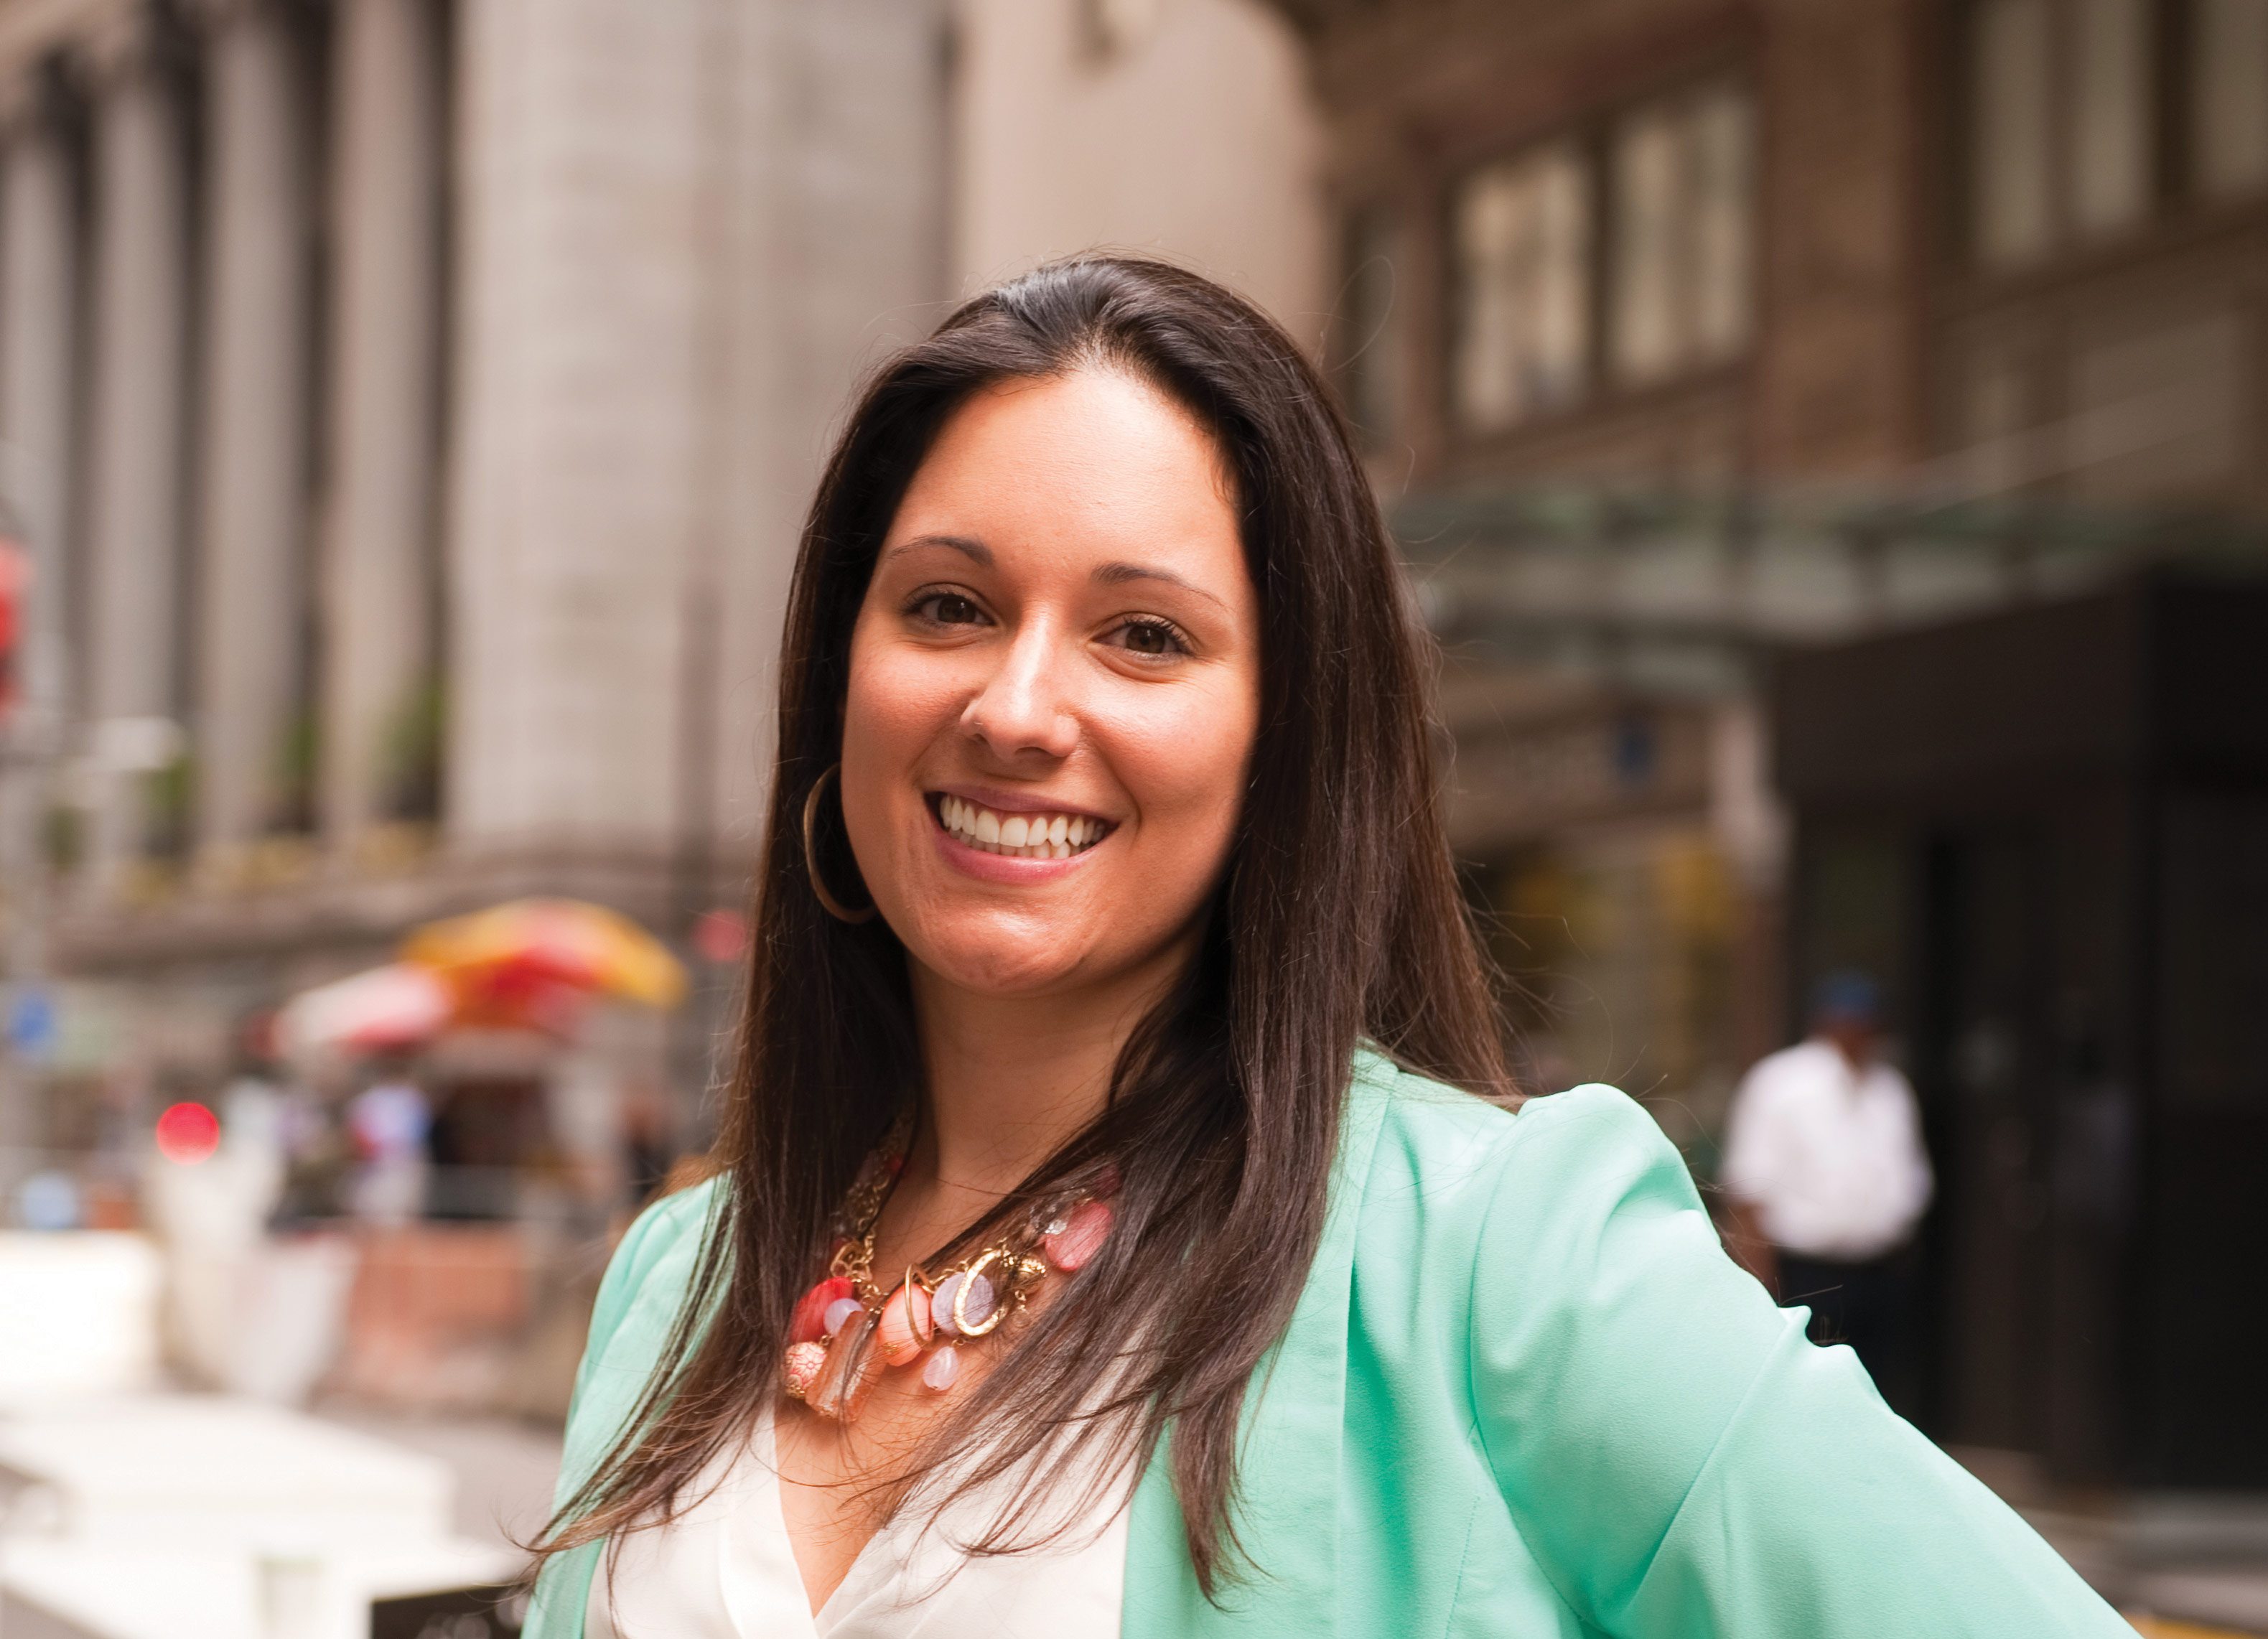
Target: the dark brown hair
pixel 1339 920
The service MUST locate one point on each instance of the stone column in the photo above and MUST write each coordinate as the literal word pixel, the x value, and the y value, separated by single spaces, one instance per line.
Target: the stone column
pixel 38 283
pixel 687 228
pixel 134 530
pixel 577 442
pixel 380 563
pixel 39 275
pixel 251 600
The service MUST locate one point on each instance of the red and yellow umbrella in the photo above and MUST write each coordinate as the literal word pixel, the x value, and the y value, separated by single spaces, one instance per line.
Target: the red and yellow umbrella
pixel 531 963
pixel 523 962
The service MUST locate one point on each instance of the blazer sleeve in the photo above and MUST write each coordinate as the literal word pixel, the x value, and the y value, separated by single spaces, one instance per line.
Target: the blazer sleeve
pixel 1684 1463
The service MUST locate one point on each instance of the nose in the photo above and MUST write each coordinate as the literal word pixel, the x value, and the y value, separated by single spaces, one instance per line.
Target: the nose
pixel 1023 709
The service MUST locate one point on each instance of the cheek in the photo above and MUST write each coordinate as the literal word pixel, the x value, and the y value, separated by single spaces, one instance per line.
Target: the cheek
pixel 1186 768
pixel 892 714
pixel 891 708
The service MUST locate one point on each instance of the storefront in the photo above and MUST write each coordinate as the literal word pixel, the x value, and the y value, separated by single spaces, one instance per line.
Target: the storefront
pixel 2046 832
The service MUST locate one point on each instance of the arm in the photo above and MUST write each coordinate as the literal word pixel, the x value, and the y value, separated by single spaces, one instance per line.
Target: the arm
pixel 1684 1463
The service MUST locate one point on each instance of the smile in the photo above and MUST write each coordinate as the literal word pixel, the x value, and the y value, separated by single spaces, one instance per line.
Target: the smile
pixel 1019 836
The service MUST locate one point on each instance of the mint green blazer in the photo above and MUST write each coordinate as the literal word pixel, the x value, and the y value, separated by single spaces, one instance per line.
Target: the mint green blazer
pixel 1524 1393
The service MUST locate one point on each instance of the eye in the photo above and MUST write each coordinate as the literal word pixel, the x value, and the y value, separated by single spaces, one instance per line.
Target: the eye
pixel 948 608
pixel 1151 638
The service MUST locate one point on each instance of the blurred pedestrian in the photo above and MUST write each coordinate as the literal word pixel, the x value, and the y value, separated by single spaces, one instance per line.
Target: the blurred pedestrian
pixel 1824 1162
pixel 389 1122
pixel 647 1148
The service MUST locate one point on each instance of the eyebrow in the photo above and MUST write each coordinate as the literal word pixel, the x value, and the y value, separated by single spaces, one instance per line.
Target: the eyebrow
pixel 1108 575
pixel 1119 574
pixel 974 550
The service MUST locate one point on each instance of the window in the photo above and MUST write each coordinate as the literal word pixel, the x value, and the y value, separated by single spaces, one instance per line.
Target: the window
pixel 2228 130
pixel 2064 118
pixel 1683 200
pixel 2110 113
pixel 2061 116
pixel 2009 118
pixel 1523 252
pixel 1625 251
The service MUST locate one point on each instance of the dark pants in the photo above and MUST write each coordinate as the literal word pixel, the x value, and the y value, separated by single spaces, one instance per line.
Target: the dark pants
pixel 1863 1305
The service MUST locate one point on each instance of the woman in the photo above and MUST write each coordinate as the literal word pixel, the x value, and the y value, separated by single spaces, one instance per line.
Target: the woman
pixel 1122 1227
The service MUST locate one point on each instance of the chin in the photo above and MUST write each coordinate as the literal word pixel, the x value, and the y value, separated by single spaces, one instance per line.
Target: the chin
pixel 1000 968
pixel 992 951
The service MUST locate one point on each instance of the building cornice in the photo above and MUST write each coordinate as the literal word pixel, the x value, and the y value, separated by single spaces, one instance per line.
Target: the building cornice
pixel 351 911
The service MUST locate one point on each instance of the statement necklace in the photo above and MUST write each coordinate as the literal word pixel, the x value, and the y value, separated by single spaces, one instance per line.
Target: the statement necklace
pixel 849 1330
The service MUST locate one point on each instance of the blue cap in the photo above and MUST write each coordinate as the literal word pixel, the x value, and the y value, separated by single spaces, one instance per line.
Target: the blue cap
pixel 1849 996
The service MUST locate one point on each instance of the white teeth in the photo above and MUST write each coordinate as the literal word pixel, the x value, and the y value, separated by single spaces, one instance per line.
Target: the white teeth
pixel 1018 836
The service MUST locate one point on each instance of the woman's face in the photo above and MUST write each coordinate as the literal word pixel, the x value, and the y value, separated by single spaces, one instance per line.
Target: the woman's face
pixel 1055 684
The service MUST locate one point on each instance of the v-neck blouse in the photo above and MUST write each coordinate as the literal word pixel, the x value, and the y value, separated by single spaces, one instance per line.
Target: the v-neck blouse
pixel 725 1570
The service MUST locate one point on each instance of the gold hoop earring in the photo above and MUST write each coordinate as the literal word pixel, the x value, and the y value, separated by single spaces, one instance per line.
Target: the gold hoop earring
pixel 828 902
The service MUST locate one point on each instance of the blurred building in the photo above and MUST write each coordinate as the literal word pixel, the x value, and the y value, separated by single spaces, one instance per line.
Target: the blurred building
pixel 409 407
pixel 1682 332
pixel 1179 128
pixel 1696 341
pixel 2048 827
pixel 1684 240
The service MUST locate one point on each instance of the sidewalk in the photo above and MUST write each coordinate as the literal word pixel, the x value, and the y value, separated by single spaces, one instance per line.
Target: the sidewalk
pixel 505 1468
pixel 2181 1565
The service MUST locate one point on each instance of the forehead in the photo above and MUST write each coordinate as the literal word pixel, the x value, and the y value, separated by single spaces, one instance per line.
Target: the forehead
pixel 1097 457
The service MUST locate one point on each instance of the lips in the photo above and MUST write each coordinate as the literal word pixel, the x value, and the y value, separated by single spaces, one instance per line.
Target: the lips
pixel 1018 836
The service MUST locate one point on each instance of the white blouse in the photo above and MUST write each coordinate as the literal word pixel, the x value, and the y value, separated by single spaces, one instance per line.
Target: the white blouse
pixel 724 1570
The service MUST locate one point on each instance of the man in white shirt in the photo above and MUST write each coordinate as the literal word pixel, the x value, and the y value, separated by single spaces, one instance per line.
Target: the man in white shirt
pixel 1824 1162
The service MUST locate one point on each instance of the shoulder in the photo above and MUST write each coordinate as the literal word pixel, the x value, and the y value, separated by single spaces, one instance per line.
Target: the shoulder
pixel 1886 1080
pixel 1449 1171
pixel 659 1251
pixel 666 1225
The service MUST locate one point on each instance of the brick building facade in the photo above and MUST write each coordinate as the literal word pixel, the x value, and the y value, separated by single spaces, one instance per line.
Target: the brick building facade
pixel 1691 336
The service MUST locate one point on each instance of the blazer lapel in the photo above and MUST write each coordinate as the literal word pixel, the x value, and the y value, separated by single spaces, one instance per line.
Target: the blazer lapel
pixel 1288 1461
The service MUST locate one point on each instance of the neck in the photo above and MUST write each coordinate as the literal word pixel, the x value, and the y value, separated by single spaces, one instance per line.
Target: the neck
pixel 1010 1079
pixel 1855 1054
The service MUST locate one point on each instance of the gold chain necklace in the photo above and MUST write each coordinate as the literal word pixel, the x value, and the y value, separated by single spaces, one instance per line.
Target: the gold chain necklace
pixel 849 1328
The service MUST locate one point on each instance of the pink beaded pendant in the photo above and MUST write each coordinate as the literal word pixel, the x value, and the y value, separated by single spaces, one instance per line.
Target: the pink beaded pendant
pixel 848 1374
pixel 940 1370
pixel 1082 1232
pixel 974 1305
pixel 801 1368
pixel 809 1324
pixel 907 1329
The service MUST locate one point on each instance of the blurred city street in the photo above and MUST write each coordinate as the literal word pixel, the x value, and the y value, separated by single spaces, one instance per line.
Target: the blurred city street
pixel 1828 439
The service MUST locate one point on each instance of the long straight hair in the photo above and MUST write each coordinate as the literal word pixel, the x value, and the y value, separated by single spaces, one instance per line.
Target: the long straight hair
pixel 1339 920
